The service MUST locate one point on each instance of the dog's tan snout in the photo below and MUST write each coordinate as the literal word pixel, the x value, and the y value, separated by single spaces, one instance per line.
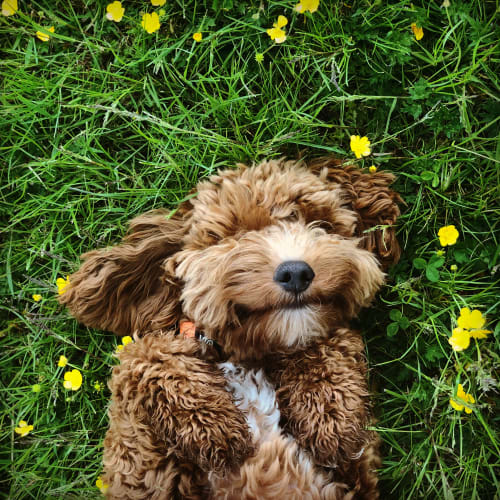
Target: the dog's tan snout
pixel 294 276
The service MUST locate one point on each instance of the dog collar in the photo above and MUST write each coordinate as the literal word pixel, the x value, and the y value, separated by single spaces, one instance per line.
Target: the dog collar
pixel 188 330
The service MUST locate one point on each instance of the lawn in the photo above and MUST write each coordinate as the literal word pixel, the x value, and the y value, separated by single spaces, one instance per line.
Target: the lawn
pixel 101 121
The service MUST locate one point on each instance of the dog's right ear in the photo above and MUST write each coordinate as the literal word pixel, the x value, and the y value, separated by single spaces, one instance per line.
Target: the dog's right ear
pixel 123 289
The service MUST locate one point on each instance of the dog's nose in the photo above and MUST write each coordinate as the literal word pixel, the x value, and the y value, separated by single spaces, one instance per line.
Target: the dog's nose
pixel 294 275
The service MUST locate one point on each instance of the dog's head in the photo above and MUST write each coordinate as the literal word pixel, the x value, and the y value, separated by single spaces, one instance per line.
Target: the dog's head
pixel 261 259
pixel 274 255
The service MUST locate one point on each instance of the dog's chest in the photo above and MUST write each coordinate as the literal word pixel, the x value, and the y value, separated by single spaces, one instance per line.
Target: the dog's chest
pixel 255 396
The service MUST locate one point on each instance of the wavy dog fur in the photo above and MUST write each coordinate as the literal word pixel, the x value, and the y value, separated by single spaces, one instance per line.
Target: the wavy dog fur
pixel 177 429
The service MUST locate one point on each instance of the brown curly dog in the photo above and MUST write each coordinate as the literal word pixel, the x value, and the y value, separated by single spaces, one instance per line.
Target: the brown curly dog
pixel 262 394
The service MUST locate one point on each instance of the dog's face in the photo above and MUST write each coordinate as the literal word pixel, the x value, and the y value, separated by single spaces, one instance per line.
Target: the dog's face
pixel 271 260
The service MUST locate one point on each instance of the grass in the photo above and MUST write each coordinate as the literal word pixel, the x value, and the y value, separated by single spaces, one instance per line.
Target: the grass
pixel 104 122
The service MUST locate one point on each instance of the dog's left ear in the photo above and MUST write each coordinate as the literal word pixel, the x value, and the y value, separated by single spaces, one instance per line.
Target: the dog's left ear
pixel 124 288
pixel 375 204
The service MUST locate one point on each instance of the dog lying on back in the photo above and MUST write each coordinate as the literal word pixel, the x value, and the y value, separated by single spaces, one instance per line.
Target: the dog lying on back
pixel 262 394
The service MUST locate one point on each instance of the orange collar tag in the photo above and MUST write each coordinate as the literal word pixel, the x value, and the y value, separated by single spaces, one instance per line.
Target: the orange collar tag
pixel 187 329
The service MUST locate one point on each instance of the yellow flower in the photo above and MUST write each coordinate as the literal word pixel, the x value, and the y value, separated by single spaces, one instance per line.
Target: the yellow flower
pixel 307 5
pixel 460 339
pixel 473 321
pixel 98 386
pixel 470 319
pixel 36 388
pixel 115 12
pixel 9 7
pixel 453 267
pixel 276 33
pixel 448 235
pixel 62 284
pixel 37 297
pixel 151 22
pixel 158 3
pixel 101 485
pixel 73 380
pixel 360 146
pixel 23 428
pixel 43 36
pixel 372 169
pixel 197 36
pixel 463 398
pixel 417 31
pixel 119 347
pixel 127 339
pixel 259 57
pixel 63 361
pixel 439 253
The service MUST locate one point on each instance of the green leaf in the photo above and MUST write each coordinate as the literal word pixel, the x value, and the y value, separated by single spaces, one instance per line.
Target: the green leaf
pixel 395 315
pixel 404 323
pixel 436 261
pixel 420 89
pixel 427 176
pixel 432 274
pixel 419 263
pixel 392 329
pixel 460 256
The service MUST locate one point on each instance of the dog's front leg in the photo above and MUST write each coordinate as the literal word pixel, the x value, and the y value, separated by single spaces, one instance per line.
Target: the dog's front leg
pixel 323 398
pixel 173 404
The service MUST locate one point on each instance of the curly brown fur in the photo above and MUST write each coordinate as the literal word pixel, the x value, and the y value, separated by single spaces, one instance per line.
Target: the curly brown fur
pixel 170 411
pixel 120 289
pixel 323 397
pixel 176 430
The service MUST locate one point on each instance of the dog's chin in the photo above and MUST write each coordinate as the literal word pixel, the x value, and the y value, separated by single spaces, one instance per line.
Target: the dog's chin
pixel 262 332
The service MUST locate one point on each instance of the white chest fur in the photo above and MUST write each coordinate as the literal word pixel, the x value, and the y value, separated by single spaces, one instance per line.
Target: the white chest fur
pixel 256 398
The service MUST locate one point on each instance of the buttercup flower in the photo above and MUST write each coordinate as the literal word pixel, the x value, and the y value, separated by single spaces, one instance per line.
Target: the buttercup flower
pixel 44 37
pixel 73 380
pixel 276 33
pixel 197 37
pixel 360 146
pixel 36 388
pixel 417 31
pixel 9 7
pixel 259 57
pixel 101 485
pixel 463 399
pixel 23 428
pixel 125 340
pixel 473 321
pixel 151 22
pixel 98 386
pixel 307 5
pixel 62 284
pixel 460 339
pixel 37 297
pixel 63 361
pixel 453 267
pixel 115 11
pixel 448 235
pixel 372 169
pixel 158 3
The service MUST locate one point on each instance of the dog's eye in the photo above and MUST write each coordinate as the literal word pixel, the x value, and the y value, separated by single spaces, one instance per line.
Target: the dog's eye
pixel 213 236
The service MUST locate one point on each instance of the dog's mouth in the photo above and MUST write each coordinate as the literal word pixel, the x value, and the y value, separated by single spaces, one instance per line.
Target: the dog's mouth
pixel 297 304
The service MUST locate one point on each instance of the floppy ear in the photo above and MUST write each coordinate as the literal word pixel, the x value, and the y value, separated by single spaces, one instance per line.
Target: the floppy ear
pixel 375 204
pixel 124 288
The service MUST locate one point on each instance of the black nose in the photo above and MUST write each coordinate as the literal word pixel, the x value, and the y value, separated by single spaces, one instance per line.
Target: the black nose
pixel 294 275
